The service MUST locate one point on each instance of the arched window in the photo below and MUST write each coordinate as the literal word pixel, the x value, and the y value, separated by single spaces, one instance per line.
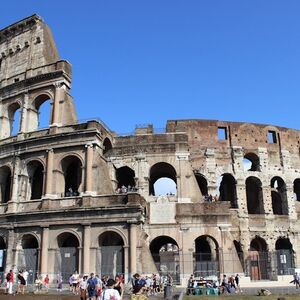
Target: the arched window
pixel 206 256
pixel 254 195
pixel 110 256
pixel 227 190
pixel 72 169
pixel 42 116
pixel 162 179
pixel 297 189
pixel 107 146
pixel 202 184
pixel 279 197
pixel 36 179
pixel 14 117
pixel 285 256
pixel 125 177
pixel 165 253
pixel 251 162
pixel 67 261
pixel 5 184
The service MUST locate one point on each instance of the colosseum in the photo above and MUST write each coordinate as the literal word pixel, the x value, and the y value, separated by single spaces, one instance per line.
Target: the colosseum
pixel 78 196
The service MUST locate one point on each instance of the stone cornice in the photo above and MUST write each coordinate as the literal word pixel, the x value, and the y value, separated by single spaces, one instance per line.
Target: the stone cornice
pixel 20 26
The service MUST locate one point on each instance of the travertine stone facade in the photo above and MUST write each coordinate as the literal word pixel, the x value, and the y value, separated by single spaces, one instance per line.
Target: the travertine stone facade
pixel 78 196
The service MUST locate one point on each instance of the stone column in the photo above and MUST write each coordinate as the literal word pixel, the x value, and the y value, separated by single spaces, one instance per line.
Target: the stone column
pixel 59 96
pixel 44 252
pixel 89 169
pixel 132 245
pixel 9 250
pixel 23 125
pixel 86 249
pixel 126 260
pixel 49 172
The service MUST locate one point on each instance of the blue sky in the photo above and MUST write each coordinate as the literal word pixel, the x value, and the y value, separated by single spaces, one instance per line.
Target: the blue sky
pixel 137 62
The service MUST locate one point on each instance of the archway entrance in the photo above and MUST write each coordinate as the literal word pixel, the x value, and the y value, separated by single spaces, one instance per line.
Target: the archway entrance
pixel 285 256
pixel 28 257
pixel 254 196
pixel 206 256
pixel 5 184
pixel 258 261
pixel 68 255
pixel 227 190
pixel 165 253
pixel 110 256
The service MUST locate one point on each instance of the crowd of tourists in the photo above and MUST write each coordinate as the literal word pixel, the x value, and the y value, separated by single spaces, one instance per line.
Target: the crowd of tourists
pixel 223 285
pixel 106 288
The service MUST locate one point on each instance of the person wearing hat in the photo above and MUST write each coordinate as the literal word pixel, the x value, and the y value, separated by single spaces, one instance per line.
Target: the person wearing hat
pixel 110 293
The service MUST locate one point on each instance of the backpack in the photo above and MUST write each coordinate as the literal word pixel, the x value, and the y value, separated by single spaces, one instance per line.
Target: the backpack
pixel 8 276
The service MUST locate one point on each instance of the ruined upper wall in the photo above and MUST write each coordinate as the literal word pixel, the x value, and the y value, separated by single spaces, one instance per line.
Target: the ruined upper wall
pixel 25 45
pixel 204 134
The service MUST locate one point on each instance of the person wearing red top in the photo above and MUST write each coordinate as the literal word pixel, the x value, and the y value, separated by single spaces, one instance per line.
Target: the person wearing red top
pixel 46 282
pixel 10 280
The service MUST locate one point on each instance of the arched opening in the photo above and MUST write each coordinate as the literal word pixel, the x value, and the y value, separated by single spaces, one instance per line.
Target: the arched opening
pixel 258 260
pixel 67 259
pixel 5 184
pixel 72 169
pixel 285 256
pixel 125 177
pixel 110 256
pixel 239 251
pixel 165 254
pixel 14 117
pixel 227 190
pixel 36 179
pixel 206 256
pixel 251 162
pixel 279 197
pixel 254 195
pixel 297 189
pixel 28 257
pixel 107 146
pixel 2 254
pixel 202 184
pixel 43 112
pixel 162 171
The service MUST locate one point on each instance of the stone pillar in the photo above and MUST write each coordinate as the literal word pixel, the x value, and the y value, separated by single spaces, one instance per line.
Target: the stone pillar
pixel 49 172
pixel 89 169
pixel 59 96
pixel 9 250
pixel 12 204
pixel 23 125
pixel 126 261
pixel 132 245
pixel 86 249
pixel 44 251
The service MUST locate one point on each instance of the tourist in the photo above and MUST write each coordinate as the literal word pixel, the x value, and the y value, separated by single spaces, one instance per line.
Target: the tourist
pixel 98 287
pixel 119 286
pixel 46 282
pixel 10 280
pixel 59 282
pixel 110 293
pixel 91 287
pixel 83 287
pixel 21 283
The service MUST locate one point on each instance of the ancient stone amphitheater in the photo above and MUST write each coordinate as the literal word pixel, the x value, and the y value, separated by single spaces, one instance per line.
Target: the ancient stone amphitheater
pixel 78 196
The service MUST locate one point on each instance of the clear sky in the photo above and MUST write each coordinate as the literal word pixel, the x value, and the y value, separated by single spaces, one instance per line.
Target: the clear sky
pixel 137 62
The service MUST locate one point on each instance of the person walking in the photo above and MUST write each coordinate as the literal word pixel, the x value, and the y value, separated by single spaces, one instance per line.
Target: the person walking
pixel 110 293
pixel 10 281
pixel 91 287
